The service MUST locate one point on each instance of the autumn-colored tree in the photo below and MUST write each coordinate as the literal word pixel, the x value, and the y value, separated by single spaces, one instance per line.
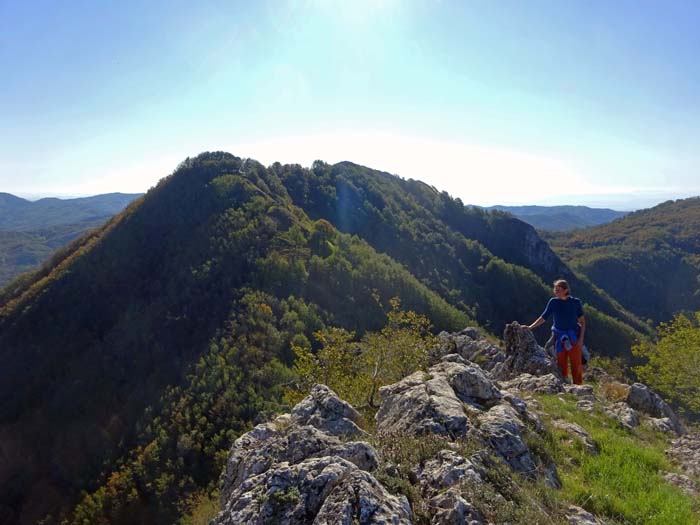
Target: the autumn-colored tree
pixel 356 371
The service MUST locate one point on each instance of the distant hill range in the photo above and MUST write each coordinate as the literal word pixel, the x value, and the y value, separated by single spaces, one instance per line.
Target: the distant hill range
pixel 649 260
pixel 561 218
pixel 30 231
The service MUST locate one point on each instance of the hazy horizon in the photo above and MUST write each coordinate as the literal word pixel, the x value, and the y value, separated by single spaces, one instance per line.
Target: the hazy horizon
pixel 647 201
pixel 508 103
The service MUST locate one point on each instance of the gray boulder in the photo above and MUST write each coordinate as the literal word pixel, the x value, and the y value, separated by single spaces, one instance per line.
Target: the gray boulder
pixel 323 409
pixel 260 449
pixel 360 499
pixel 445 470
pixel 523 355
pixel 685 452
pixel 325 490
pixel 585 405
pixel 450 508
pixel 578 516
pixel 545 384
pixel 300 469
pixel 661 424
pixel 468 381
pixel 434 401
pixel 581 391
pixel 501 428
pixel 470 345
pixel 642 398
pixel 421 404
pixel 624 414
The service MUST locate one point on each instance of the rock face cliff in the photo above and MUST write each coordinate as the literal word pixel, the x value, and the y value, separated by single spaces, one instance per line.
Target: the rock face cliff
pixel 468 431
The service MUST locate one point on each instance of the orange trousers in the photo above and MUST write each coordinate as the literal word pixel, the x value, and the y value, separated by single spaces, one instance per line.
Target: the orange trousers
pixel 574 355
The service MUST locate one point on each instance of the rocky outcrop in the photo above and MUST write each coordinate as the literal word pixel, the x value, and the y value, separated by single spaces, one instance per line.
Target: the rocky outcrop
pixel 685 452
pixel 317 491
pixel 523 355
pixel 433 401
pixel 580 391
pixel 502 429
pixel 326 411
pixel 300 469
pixel 470 345
pixel 421 404
pixel 445 470
pixel 315 466
pixel 624 414
pixel 546 384
pixel 450 508
pixel 641 397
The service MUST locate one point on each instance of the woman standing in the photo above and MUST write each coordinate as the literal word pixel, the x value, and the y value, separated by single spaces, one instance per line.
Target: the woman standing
pixel 568 329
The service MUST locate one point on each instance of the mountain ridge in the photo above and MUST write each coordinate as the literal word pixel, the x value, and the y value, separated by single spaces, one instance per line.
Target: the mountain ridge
pixel 557 218
pixel 191 298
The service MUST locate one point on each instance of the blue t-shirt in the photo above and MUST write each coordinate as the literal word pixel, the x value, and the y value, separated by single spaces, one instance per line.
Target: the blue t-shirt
pixel 566 312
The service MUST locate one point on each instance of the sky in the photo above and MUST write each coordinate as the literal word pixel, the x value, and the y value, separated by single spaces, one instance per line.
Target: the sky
pixel 496 102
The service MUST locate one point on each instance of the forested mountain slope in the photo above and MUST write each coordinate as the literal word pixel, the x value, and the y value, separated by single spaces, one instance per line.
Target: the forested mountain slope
pixel 447 245
pixel 137 353
pixel 30 231
pixel 649 260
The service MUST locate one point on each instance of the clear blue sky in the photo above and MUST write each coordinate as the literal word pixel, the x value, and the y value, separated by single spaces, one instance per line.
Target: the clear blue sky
pixel 522 102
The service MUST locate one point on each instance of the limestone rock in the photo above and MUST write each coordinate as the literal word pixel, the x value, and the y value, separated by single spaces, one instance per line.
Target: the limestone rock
pixel 581 391
pixel 520 407
pixel 585 405
pixel 421 404
pixel 503 431
pixel 470 345
pixel 468 381
pixel 288 470
pixel 546 384
pixel 260 449
pixel 551 476
pixel 578 516
pixel 683 482
pixel 523 355
pixel 662 424
pixel 449 508
pixel 644 399
pixel 323 409
pixel 595 373
pixel 685 451
pixel 623 413
pixel 433 401
pixel 321 490
pixel 360 499
pixel 445 470
pixel 579 433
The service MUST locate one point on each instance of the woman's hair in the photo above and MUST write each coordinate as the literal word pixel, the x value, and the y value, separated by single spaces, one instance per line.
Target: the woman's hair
pixel 563 284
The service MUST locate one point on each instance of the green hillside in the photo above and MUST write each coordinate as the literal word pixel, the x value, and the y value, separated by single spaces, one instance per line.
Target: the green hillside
pixel 649 260
pixel 140 350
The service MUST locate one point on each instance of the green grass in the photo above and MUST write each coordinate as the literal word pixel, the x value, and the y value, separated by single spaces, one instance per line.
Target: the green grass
pixel 624 481
pixel 203 508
